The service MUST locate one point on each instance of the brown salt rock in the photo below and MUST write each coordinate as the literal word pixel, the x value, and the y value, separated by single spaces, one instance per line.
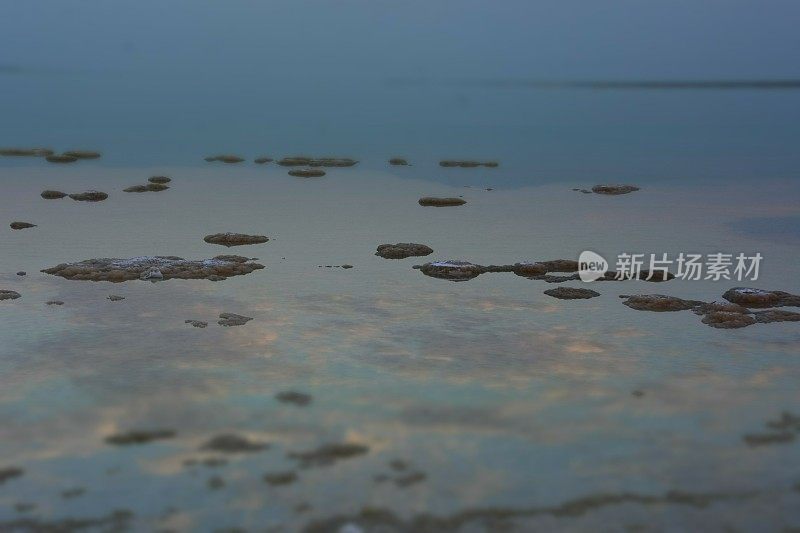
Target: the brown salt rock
pixel 307 172
pixel 467 164
pixel 232 443
pixel 21 225
pixel 727 320
pixel 61 158
pixel 196 323
pixel 9 472
pixel 759 298
pixel 53 195
pixel 82 154
pixel 159 179
pixel 726 307
pixel 139 437
pixel 299 399
pixel 452 270
pixel 153 267
pixel 298 161
pixel 614 190
pixel 776 315
pixel 659 303
pixel 9 295
pixel 232 319
pixel 235 239
pixel 529 270
pixel 398 162
pixel 225 158
pixel 262 160
pixel 89 196
pixel 561 265
pixel 571 293
pixel 430 201
pixel 25 152
pixel 402 250
pixel 328 454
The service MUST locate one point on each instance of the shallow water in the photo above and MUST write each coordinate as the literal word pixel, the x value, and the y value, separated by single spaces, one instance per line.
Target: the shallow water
pixel 503 397
pixel 477 406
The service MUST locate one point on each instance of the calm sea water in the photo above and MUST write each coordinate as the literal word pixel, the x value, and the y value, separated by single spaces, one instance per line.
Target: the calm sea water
pixel 509 410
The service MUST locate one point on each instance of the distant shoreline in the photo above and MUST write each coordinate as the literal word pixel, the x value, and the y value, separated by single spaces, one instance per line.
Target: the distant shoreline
pixel 759 84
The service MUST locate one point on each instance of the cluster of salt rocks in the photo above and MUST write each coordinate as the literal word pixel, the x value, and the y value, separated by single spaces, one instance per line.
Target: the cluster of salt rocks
pixel 312 164
pixel 733 313
pixel 70 156
pixel 154 184
pixel 538 270
pixel 88 196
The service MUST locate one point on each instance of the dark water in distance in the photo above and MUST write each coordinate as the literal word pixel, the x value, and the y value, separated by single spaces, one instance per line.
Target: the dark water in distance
pixel 155 84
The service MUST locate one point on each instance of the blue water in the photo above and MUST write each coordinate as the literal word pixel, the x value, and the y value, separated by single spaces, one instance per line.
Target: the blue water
pixel 154 84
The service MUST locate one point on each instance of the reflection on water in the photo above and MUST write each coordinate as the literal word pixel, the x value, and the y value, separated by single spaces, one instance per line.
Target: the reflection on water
pixel 376 395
